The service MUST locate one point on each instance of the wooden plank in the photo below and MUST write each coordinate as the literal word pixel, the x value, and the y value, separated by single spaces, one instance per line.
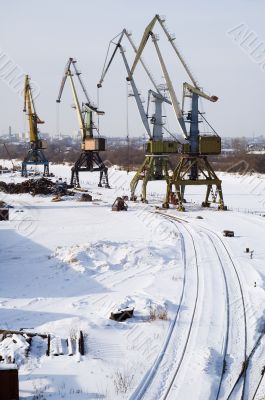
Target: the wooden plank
pixel 30 334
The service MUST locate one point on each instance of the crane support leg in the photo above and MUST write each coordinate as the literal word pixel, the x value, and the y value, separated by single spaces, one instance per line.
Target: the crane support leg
pixel 154 167
pixel 90 161
pixel 35 157
pixel 147 178
pixel 183 177
pixel 206 203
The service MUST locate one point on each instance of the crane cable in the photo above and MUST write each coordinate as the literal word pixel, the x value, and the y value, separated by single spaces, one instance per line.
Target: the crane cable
pixel 58 119
pixel 127 127
pixel 98 108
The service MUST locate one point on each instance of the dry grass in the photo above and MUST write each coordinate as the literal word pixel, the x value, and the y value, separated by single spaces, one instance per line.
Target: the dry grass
pixel 123 381
pixel 158 312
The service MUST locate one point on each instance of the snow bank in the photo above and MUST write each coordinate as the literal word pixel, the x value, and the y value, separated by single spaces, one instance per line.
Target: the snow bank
pixel 102 256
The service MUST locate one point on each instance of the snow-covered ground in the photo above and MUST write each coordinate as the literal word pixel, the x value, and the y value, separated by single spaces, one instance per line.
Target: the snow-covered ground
pixel 66 266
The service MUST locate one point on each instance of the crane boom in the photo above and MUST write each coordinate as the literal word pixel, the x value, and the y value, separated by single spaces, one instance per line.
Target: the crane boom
pixel 148 32
pixel 144 40
pixel 105 69
pixel 129 37
pixel 29 106
pixel 68 73
pixel 171 90
pixel 78 108
pixel 193 89
pixel 66 70
pixel 141 47
pixel 85 128
pixel 137 96
pixel 78 74
pixel 171 40
pixel 132 82
pixel 199 92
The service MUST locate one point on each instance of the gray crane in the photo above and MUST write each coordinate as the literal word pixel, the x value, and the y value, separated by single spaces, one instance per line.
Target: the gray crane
pixel 156 163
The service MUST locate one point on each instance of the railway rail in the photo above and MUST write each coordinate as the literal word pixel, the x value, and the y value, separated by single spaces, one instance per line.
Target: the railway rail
pixel 177 368
pixel 242 375
pixel 142 389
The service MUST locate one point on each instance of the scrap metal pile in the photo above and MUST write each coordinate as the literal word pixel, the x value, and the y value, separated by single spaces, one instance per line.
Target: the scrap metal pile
pixel 33 186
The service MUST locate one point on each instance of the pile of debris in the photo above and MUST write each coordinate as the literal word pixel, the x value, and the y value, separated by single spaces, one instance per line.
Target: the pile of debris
pixel 16 346
pixel 33 186
pixel 119 204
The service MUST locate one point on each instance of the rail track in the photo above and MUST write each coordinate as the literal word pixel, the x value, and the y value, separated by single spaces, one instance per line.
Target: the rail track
pixel 247 358
pixel 242 375
pixel 226 338
pixel 142 389
pixel 180 361
pixel 238 386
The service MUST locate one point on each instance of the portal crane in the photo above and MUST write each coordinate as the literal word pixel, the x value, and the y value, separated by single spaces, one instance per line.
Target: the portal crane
pixel 35 155
pixel 156 164
pixel 89 159
pixel 193 167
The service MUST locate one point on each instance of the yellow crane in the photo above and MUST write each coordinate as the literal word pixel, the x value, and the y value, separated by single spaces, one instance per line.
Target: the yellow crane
pixel 35 155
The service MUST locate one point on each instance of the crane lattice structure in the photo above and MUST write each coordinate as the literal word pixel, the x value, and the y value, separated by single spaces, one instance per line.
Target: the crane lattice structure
pixel 156 164
pixel 193 167
pixel 35 155
pixel 89 158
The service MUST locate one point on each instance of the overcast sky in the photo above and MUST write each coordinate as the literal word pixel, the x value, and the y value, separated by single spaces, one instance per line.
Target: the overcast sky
pixel 37 38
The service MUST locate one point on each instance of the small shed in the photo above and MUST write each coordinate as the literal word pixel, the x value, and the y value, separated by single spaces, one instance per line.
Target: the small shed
pixel 9 389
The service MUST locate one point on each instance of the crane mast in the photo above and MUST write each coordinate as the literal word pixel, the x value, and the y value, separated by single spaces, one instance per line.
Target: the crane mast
pixel 35 155
pixel 157 117
pixel 89 159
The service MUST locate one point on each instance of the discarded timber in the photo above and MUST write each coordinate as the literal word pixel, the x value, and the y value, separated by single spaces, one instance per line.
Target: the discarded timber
pixel 29 334
pixel 81 344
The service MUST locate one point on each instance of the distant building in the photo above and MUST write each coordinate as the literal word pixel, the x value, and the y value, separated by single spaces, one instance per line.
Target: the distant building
pixel 45 135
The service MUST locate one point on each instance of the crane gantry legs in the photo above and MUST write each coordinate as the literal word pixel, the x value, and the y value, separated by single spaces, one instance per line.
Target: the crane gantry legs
pixel 35 157
pixel 206 176
pixel 154 167
pixel 89 161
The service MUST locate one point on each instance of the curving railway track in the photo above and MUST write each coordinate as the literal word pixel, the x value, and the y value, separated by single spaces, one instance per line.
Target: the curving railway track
pixel 142 390
pixel 231 388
